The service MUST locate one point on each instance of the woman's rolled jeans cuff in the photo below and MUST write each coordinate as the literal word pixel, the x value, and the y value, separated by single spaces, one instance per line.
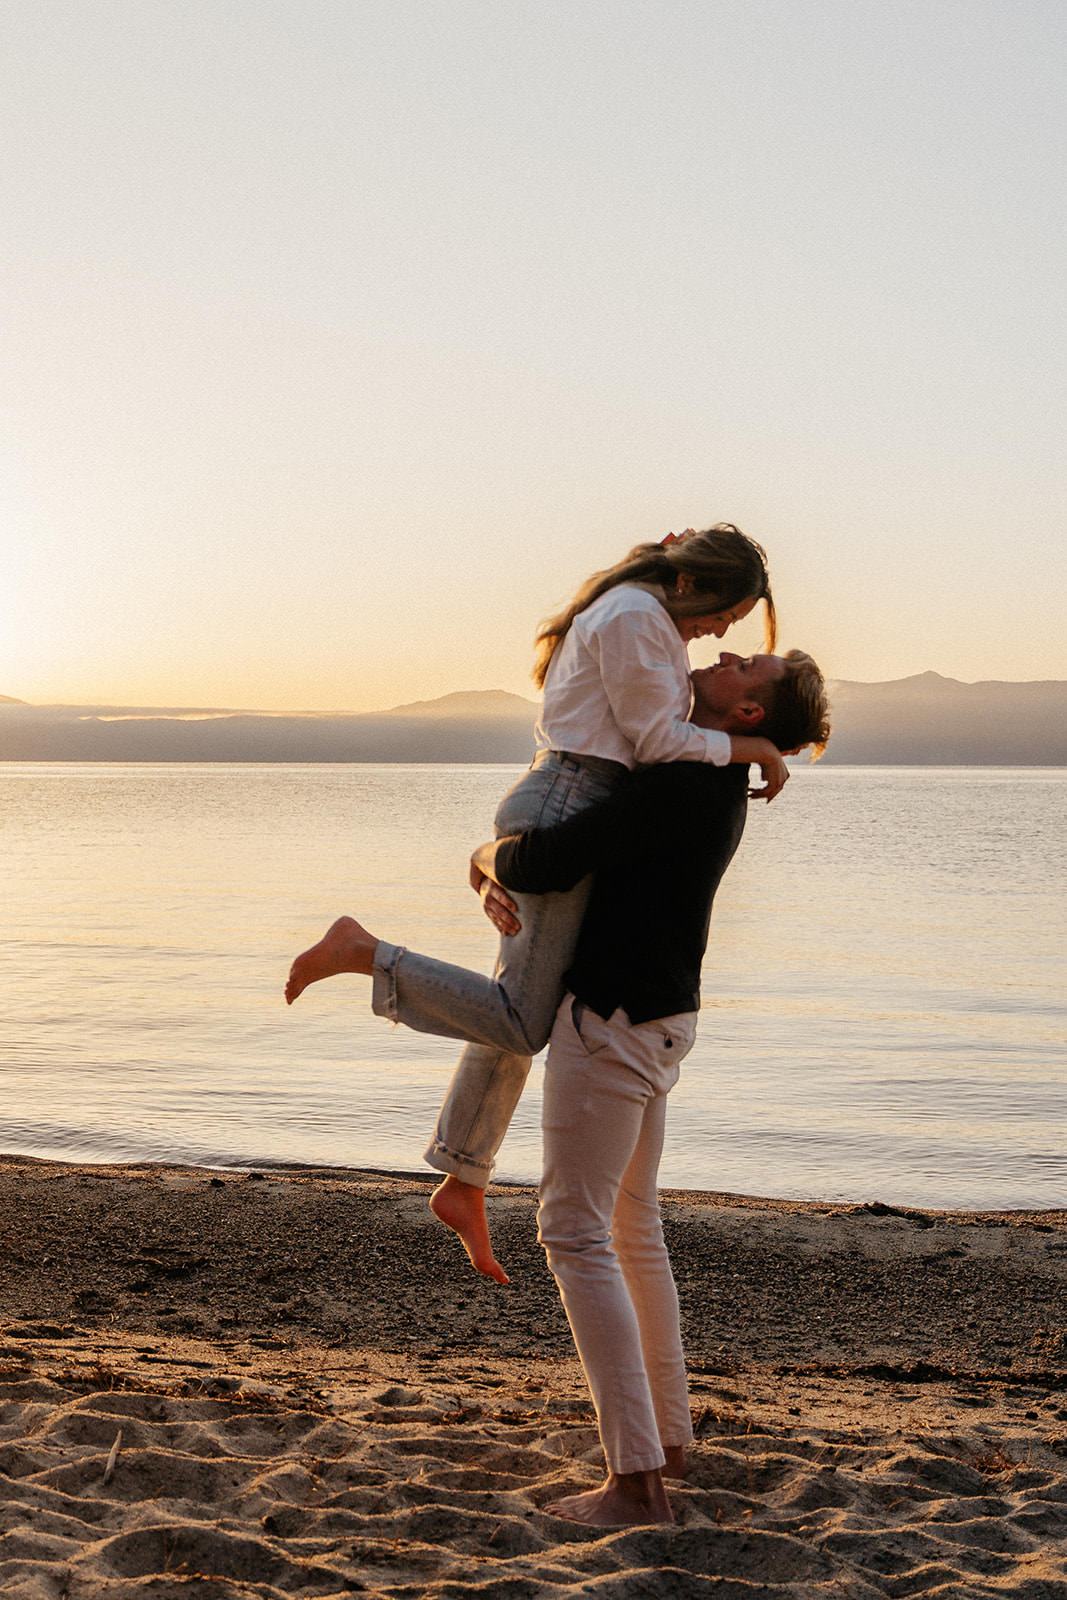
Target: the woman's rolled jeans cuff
pixel 458 1165
pixel 384 999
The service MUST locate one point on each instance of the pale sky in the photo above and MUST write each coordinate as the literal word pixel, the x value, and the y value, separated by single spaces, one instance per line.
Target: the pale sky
pixel 346 337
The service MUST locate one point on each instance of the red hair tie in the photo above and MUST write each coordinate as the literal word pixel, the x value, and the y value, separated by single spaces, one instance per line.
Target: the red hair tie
pixel 675 538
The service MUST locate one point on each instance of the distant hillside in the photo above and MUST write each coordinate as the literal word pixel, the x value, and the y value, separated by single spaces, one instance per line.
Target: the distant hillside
pixel 924 720
pixel 474 727
pixel 929 720
pixel 467 703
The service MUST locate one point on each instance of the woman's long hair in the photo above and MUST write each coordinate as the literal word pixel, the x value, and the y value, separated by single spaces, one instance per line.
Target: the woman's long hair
pixel 726 566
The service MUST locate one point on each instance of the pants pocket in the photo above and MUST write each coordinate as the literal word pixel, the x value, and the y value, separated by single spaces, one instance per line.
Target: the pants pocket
pixel 591 1029
pixel 669 1038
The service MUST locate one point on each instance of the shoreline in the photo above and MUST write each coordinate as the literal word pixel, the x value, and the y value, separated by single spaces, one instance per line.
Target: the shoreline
pixel 1051 1215
pixel 264 1383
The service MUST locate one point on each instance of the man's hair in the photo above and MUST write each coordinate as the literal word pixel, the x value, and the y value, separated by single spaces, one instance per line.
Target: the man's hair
pixel 796 706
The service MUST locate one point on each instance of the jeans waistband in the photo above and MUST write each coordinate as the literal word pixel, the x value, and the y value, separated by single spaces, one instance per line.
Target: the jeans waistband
pixel 565 758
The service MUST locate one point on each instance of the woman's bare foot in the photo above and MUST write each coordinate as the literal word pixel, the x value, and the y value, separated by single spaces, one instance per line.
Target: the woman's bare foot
pixel 345 947
pixel 461 1207
pixel 675 1465
pixel 625 1500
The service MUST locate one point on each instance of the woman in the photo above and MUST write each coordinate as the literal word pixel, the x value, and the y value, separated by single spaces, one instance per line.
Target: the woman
pixel 614 671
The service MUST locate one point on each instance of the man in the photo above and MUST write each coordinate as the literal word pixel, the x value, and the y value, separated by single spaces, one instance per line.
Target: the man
pixel 657 849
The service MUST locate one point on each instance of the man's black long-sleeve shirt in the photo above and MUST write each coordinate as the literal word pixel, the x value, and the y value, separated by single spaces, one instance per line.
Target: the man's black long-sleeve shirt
pixel 658 849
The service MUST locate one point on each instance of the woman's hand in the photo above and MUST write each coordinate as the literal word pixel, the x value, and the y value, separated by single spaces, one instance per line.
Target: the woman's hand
pixel 757 751
pixel 775 776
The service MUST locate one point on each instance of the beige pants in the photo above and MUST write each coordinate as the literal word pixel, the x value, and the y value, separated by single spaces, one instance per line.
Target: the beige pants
pixel 606 1086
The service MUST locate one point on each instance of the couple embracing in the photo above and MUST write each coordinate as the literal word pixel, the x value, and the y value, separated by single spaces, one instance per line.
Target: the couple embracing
pixel 601 880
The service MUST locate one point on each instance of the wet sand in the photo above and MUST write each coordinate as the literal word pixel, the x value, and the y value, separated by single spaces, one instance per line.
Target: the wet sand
pixel 290 1383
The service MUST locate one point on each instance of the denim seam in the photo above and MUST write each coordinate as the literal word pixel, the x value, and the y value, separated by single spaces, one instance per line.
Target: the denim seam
pixel 385 1001
pixel 460 1155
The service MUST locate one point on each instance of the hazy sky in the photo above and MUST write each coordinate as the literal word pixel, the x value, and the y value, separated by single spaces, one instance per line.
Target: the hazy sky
pixel 345 337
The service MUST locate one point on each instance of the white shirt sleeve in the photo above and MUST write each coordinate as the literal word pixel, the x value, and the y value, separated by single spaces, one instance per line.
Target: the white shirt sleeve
pixel 643 668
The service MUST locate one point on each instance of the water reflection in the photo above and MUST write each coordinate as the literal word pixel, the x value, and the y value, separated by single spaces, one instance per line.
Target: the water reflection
pixel 883 992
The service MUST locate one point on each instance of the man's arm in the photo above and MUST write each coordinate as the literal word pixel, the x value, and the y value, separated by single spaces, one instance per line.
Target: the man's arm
pixel 493 863
pixel 637 817
pixel 554 858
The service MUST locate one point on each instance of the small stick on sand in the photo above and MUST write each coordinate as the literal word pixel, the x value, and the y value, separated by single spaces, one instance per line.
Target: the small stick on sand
pixel 113 1456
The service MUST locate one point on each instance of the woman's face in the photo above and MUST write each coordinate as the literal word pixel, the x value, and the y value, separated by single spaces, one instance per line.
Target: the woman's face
pixel 715 622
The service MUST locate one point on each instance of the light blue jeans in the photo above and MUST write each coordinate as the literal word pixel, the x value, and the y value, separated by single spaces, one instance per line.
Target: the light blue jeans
pixel 506 1018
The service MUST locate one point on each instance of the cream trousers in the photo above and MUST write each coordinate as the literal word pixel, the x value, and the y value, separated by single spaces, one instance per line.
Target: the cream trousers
pixel 606 1087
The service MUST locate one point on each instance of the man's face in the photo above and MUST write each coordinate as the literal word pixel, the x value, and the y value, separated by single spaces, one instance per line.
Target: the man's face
pixel 724 691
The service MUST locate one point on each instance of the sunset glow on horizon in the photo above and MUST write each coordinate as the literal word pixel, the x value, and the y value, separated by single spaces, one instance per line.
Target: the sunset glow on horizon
pixel 348 340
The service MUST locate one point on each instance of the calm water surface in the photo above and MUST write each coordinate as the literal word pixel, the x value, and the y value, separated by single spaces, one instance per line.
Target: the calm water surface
pixel 883 994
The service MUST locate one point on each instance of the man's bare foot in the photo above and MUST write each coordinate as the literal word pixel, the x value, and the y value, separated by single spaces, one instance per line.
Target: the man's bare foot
pixel 675 1465
pixel 461 1207
pixel 344 947
pixel 625 1500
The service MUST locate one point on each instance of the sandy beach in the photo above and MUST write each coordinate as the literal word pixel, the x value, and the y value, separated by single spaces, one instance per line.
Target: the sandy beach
pixel 290 1383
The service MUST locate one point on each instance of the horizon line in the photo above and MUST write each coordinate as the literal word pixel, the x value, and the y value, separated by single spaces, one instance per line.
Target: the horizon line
pixel 131 710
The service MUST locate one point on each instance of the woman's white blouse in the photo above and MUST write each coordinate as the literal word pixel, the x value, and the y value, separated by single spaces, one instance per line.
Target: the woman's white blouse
pixel 618 687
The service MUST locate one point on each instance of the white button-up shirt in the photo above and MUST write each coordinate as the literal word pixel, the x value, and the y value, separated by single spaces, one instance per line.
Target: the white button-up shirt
pixel 618 687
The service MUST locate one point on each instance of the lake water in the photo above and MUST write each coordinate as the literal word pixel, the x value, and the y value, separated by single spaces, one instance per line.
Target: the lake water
pixel 883 993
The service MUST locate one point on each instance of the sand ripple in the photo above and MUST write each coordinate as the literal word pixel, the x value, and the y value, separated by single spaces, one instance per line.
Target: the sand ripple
pixel 121 1481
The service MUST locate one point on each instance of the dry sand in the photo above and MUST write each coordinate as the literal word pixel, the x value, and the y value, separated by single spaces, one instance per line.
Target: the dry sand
pixel 222 1385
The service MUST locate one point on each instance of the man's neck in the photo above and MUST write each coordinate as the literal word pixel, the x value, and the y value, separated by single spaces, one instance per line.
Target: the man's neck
pixel 707 719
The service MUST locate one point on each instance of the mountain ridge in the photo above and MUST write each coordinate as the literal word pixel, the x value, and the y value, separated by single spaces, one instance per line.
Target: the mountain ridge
pixel 920 720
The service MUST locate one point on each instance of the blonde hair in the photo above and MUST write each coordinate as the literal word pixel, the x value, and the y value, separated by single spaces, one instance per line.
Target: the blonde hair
pixel 796 706
pixel 725 565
